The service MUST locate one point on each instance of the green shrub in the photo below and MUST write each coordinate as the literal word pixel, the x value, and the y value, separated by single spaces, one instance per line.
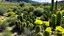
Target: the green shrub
pixel 5 23
pixel 19 12
pixel 2 10
pixel 38 12
pixel 31 9
pixel 47 13
pixel 21 5
pixel 11 13
pixel 6 33
pixel 14 9
pixel 26 9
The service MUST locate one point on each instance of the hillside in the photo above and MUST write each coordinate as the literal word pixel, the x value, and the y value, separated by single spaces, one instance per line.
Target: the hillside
pixel 18 0
pixel 61 2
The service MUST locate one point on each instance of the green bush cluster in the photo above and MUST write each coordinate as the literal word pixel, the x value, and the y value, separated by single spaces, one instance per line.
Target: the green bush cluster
pixel 3 10
pixel 23 19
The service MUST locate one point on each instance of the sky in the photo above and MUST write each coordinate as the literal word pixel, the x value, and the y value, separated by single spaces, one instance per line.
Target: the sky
pixel 45 0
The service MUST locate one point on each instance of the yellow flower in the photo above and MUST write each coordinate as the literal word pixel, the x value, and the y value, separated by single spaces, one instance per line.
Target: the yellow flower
pixel 62 10
pixel 60 29
pixel 38 22
pixel 59 12
pixel 48 29
pixel 53 14
pixel 46 23
pixel 63 31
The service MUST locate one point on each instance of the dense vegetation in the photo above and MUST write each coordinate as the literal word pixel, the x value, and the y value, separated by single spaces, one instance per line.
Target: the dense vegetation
pixel 31 19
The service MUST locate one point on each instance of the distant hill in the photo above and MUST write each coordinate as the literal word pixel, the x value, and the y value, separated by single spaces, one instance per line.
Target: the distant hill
pixel 18 0
pixel 61 2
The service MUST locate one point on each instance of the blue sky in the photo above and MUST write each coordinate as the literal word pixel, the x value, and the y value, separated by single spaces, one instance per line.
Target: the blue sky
pixel 44 0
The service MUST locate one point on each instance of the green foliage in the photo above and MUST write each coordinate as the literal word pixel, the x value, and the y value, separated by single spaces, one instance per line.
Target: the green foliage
pixel 36 4
pixel 21 5
pixel 11 13
pixel 6 33
pixel 2 10
pixel 19 11
pixel 31 8
pixel 5 23
pixel 47 14
pixel 26 9
pixel 38 12
pixel 25 14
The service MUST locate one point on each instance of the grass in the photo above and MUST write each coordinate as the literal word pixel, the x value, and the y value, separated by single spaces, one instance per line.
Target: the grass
pixel 8 4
